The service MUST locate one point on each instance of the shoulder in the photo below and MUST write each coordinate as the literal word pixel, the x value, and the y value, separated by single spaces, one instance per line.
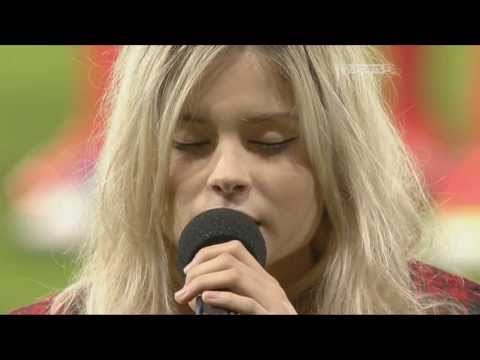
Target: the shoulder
pixel 43 307
pixel 431 280
pixel 39 308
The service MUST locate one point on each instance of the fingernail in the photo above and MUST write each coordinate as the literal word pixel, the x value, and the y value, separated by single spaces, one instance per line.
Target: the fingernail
pixel 180 292
pixel 185 269
pixel 210 295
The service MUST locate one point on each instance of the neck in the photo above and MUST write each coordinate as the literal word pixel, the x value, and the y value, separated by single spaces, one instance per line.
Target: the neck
pixel 291 269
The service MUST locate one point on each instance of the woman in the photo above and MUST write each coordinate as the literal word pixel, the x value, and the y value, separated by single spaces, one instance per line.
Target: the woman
pixel 299 138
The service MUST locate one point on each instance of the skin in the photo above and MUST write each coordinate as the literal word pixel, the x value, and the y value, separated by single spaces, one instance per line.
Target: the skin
pixel 235 112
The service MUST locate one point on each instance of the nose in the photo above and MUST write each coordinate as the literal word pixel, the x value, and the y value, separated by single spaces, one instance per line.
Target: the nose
pixel 230 176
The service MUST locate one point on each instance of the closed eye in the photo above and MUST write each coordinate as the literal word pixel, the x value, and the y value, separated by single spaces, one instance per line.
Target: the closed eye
pixel 263 145
pixel 185 146
pixel 276 145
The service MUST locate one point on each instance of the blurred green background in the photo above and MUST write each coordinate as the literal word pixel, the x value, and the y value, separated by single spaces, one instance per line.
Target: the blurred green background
pixel 36 98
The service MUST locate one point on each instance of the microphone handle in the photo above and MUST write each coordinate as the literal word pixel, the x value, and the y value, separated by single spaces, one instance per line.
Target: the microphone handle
pixel 207 309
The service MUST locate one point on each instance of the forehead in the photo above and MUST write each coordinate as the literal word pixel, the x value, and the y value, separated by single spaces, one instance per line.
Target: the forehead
pixel 244 84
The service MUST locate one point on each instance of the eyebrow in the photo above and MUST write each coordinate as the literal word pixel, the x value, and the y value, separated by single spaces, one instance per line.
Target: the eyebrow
pixel 249 119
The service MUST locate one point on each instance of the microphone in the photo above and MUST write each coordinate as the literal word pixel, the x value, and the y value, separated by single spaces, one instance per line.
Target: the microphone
pixel 217 226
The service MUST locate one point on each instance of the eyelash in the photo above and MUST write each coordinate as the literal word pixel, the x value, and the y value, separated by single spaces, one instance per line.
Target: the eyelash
pixel 265 146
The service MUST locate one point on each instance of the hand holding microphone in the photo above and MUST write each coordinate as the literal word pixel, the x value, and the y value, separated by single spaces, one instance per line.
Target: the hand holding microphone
pixel 225 253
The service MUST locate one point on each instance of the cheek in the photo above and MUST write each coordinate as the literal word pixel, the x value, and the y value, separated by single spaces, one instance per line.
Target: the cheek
pixel 294 201
pixel 291 194
pixel 295 189
pixel 290 187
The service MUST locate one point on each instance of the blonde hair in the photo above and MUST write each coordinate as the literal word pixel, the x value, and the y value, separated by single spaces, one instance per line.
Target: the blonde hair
pixel 374 202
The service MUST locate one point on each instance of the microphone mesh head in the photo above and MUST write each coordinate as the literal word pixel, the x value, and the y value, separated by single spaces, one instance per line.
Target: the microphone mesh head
pixel 216 226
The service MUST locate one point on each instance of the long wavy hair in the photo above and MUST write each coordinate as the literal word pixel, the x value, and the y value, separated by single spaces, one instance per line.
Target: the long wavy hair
pixel 374 203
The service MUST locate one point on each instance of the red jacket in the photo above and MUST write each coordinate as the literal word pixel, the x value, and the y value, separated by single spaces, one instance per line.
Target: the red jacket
pixel 427 279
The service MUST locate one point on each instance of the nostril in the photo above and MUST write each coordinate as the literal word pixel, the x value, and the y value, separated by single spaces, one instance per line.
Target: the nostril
pixel 229 189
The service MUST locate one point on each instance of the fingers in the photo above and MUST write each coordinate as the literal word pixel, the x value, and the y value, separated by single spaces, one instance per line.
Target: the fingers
pixel 223 261
pixel 233 302
pixel 227 276
pixel 227 279
pixel 234 247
